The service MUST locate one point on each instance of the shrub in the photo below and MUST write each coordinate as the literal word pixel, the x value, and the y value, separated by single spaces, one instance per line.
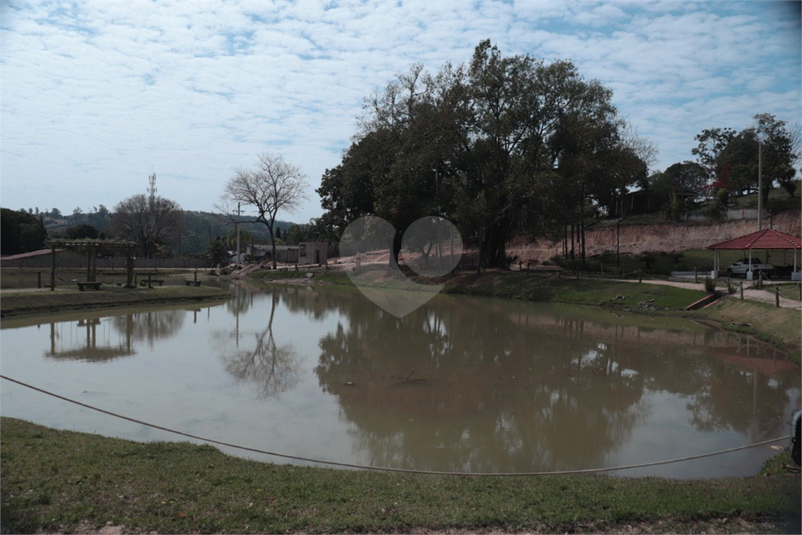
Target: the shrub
pixel 710 285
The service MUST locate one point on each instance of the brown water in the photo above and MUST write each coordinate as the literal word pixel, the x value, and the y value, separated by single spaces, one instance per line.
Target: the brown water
pixel 460 384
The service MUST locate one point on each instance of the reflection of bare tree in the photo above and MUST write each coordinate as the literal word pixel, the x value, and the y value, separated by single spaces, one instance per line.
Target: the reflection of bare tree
pixel 258 359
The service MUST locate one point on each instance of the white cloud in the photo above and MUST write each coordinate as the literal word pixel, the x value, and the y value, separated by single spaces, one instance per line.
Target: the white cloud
pixel 99 94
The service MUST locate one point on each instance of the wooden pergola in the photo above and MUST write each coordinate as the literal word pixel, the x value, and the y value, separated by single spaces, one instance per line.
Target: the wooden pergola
pixel 766 239
pixel 90 248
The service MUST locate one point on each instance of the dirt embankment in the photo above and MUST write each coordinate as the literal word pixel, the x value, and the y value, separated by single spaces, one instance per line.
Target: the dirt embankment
pixel 659 238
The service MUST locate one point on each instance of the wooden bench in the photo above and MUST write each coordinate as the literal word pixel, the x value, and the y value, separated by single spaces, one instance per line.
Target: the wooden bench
pixel 91 285
pixel 192 283
pixel 148 282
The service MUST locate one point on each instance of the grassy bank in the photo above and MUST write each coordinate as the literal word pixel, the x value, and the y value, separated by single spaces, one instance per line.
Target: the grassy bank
pixel 516 285
pixel 15 303
pixel 60 480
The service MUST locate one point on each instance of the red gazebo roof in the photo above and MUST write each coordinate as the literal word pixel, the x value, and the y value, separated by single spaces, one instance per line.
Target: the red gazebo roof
pixel 762 239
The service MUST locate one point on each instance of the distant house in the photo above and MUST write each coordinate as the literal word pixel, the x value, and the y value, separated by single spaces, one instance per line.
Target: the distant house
pixel 307 253
pixel 313 253
pixel 636 203
pixel 286 254
pixel 645 202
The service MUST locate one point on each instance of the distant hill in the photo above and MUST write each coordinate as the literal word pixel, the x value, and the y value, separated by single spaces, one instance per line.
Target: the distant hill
pixel 199 228
pixel 202 227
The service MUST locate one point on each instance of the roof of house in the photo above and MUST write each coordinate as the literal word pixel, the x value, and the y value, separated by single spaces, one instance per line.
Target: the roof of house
pixel 762 239
pixel 31 254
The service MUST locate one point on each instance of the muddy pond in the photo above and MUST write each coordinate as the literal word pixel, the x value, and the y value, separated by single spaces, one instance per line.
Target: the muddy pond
pixel 460 384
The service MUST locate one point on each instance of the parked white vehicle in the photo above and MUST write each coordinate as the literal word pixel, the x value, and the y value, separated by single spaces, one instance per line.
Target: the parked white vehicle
pixel 741 267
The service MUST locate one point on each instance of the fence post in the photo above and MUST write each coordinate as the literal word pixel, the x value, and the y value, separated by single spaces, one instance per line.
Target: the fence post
pixel 640 276
pixel 742 290
pixel 695 275
pixel 777 295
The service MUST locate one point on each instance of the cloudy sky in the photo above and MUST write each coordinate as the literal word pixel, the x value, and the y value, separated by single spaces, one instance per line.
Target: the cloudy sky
pixel 99 94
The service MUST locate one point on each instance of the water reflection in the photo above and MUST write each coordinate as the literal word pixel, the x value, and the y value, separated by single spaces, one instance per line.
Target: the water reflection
pixel 118 335
pixel 459 384
pixel 499 391
pixel 88 349
pixel 150 326
pixel 256 357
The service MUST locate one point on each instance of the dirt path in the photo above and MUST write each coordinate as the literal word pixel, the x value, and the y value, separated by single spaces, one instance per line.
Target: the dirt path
pixel 766 295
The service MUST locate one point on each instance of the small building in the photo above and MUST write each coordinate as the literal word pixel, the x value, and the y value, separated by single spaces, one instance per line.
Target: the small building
pixel 285 254
pixel 312 253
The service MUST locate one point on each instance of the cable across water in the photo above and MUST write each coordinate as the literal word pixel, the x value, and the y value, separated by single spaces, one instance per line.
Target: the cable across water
pixel 389 469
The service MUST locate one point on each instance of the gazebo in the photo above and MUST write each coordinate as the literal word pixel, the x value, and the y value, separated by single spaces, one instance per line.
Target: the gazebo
pixel 767 239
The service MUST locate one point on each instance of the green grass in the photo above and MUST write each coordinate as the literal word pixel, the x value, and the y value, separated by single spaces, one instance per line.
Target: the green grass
pixel 44 301
pixel 569 290
pixel 778 199
pixel 56 480
pixel 523 286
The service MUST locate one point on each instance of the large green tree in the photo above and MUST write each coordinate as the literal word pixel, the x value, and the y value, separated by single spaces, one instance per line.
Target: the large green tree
pixel 484 145
pixel 735 159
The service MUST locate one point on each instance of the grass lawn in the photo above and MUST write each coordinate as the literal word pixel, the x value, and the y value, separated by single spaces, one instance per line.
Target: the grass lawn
pixel 14 303
pixel 62 481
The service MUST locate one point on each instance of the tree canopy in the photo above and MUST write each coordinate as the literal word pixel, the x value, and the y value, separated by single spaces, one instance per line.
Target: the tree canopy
pixel 733 158
pixel 150 221
pixel 21 232
pixel 500 145
pixel 273 186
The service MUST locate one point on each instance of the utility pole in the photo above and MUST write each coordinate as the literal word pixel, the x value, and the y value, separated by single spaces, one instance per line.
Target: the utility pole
pixel 238 214
pixel 760 184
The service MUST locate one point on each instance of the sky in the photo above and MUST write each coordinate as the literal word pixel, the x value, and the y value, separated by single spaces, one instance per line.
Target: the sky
pixel 97 95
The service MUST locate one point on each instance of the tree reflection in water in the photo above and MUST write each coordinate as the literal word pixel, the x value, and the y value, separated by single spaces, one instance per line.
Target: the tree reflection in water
pixel 534 391
pixel 150 326
pixel 256 358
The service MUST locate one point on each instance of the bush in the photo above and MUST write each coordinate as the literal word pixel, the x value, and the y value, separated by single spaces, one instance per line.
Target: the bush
pixel 710 285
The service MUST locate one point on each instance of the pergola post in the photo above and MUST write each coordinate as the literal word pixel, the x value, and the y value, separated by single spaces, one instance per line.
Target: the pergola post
pixel 53 268
pixel 749 274
pixel 89 264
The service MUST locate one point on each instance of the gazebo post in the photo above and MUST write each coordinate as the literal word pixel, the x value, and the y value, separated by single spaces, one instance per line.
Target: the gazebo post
pixel 716 264
pixel 749 274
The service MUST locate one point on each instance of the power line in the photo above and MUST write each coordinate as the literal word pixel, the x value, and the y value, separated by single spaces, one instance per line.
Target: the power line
pixel 389 469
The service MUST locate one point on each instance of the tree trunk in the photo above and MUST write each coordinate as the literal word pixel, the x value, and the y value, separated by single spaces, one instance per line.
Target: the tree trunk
pixel 273 243
pixel 395 249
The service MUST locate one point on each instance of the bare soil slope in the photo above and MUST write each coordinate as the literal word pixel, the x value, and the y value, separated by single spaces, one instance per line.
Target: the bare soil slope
pixel 666 238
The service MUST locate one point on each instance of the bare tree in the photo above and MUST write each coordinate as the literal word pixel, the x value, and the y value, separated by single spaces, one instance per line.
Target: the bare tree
pixel 150 221
pixel 272 187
